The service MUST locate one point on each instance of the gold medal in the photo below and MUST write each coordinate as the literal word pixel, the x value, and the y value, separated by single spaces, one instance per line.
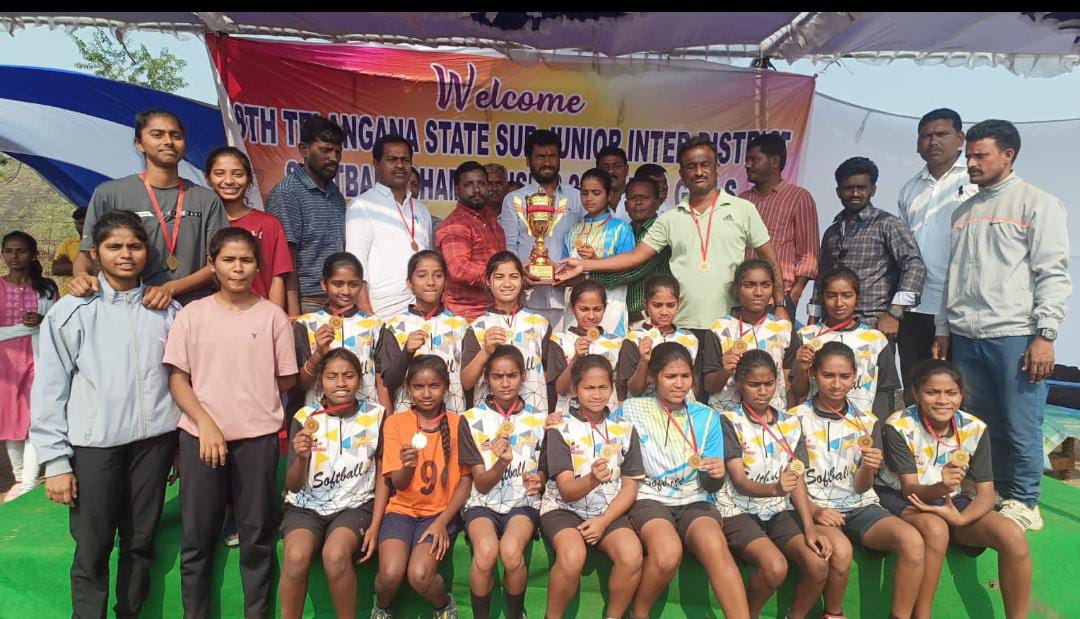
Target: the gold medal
pixel 506 428
pixel 579 243
pixel 608 452
pixel 703 266
pixel 419 441
pixel 336 322
pixel 415 246
pixel 740 346
pixel 797 467
pixel 960 458
pixel 695 461
pixel 815 344
pixel 592 334
pixel 172 262
pixel 426 328
pixel 865 442
pixel 311 424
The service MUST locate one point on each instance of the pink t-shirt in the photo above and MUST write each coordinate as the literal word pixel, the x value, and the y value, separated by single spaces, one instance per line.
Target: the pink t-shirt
pixel 234 359
pixel 276 259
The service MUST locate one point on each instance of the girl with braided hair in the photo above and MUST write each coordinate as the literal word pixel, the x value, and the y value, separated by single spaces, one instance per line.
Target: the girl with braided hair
pixel 422 461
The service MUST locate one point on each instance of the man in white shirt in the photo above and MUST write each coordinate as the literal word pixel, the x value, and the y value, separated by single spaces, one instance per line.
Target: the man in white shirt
pixel 385 226
pixel 926 206
pixel 542 153
pixel 612 160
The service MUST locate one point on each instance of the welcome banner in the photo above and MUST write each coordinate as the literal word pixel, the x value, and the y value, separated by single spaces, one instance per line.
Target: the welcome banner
pixel 454 107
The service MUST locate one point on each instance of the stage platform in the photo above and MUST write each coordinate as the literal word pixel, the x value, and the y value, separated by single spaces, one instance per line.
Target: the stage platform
pixel 36 549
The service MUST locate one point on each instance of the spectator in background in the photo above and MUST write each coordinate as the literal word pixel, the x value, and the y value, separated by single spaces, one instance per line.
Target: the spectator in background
pixel 1006 291
pixel 880 249
pixel 468 238
pixel 64 260
pixel 542 149
pixel 385 226
pixel 642 202
pixel 659 176
pixel 311 210
pixel 497 186
pixel 926 205
pixel 788 211
pixel 612 160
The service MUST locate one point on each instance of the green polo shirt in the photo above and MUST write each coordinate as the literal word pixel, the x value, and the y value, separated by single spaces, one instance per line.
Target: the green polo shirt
pixel 735 224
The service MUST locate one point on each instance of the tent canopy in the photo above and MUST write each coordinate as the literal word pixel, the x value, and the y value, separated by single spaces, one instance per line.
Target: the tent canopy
pixel 1032 44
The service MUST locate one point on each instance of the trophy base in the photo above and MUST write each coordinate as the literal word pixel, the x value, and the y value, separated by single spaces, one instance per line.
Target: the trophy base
pixel 542 272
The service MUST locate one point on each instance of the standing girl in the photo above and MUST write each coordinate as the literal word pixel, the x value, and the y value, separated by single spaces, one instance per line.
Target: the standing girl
pixel 840 293
pixel 601 235
pixel 231 355
pixel 341 324
pixel 422 459
pixel 939 479
pixel 768 518
pixel 682 447
pixel 588 301
pixel 502 445
pixel 104 423
pixel 750 326
pixel 507 322
pixel 661 305
pixel 27 296
pixel 427 328
pixel 843 447
pixel 228 172
pixel 593 462
pixel 336 495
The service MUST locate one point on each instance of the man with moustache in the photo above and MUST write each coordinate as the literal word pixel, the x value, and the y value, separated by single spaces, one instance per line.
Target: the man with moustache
pixel 497 186
pixel 385 226
pixel 311 209
pixel 542 154
pixel 1006 290
pixel 659 176
pixel 612 160
pixel 468 237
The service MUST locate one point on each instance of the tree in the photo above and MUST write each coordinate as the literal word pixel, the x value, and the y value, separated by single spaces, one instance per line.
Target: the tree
pixel 108 57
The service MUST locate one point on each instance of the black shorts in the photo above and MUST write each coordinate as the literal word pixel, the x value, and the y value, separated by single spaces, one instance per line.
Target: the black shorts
pixel 743 529
pixel 859 521
pixel 895 502
pixel 501 520
pixel 356 519
pixel 551 523
pixel 680 516
pixel 409 529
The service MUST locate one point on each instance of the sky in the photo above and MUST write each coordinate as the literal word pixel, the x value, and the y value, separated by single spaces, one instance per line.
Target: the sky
pixel 901 87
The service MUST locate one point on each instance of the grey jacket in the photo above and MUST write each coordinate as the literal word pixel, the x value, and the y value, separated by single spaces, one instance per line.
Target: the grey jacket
pixel 1009 266
pixel 99 379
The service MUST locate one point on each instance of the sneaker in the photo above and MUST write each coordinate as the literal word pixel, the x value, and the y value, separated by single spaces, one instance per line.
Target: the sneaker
pixel 447 612
pixel 228 532
pixel 998 501
pixel 381 613
pixel 1025 517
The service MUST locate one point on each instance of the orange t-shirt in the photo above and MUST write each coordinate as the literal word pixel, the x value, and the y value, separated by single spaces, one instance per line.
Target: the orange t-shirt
pixel 426 494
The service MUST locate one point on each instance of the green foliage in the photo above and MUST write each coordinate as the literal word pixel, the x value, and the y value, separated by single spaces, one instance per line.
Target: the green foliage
pixel 106 57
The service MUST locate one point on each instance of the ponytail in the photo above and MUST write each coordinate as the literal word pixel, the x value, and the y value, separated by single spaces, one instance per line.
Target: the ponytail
pixel 43 286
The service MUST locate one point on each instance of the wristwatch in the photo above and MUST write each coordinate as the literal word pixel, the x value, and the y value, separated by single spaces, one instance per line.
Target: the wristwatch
pixel 896 311
pixel 1047 334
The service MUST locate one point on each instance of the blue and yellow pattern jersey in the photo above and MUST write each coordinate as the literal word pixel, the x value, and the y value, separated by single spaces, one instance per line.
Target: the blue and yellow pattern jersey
pixel 528 333
pixel 929 454
pixel 483 422
pixel 833 456
pixel 867 343
pixel 772 335
pixel 607 346
pixel 358 333
pixel 763 459
pixel 446 336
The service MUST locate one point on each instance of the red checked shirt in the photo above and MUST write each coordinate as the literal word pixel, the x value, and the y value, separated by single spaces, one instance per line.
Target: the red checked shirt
pixel 467 239
pixel 790 215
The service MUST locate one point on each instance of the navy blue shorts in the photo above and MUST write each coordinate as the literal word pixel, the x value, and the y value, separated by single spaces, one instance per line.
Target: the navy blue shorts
pixel 501 520
pixel 896 503
pixel 409 529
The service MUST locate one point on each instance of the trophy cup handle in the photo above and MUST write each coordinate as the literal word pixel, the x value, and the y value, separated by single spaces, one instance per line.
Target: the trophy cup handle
pixel 559 212
pixel 519 208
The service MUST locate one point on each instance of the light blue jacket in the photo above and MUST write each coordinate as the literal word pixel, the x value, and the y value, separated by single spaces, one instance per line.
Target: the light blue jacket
pixel 99 380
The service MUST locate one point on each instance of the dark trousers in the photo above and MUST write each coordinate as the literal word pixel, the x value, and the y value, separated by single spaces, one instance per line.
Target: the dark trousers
pixel 121 490
pixel 914 340
pixel 246 482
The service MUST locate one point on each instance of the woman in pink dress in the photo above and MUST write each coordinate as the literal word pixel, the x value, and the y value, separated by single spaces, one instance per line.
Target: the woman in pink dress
pixel 25 295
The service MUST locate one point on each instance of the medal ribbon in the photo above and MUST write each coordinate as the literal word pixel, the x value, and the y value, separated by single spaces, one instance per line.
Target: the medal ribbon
pixel 339 312
pixel 412 213
pixel 170 243
pixel 779 440
pixel 438 419
pixel 937 437
pixel 852 420
pixel 753 327
pixel 583 234
pixel 704 242
pixel 692 440
pixel 499 409
pixel 333 409
pixel 842 325
pixel 592 428
pixel 512 317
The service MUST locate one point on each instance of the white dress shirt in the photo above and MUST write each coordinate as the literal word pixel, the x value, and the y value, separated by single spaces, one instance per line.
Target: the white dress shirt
pixel 377 231
pixel 926 207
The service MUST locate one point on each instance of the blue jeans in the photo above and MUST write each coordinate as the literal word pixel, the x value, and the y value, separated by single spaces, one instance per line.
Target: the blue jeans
pixel 1001 394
